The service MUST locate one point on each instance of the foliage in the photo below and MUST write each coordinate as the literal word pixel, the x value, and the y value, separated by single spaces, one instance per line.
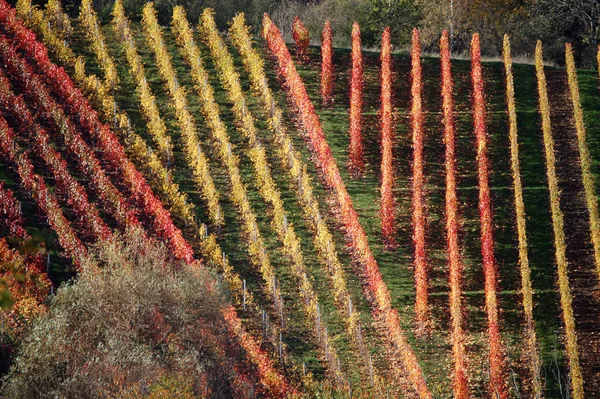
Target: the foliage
pixel 387 210
pixel 356 86
pixel 400 16
pixel 44 199
pixel 112 152
pixel 370 274
pixel 418 212
pixel 254 241
pixel 293 163
pixel 566 300
pixel 194 155
pixel 326 65
pixel 576 21
pixel 114 202
pixel 584 156
pixel 498 389
pixel 136 323
pixel 460 383
pixel 301 38
pixel 24 287
pixel 271 194
pixel 66 185
pixel 526 287
pixel 154 123
pixel 89 21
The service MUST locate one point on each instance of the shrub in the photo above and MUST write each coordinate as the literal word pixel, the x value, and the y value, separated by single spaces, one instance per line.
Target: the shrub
pixel 139 321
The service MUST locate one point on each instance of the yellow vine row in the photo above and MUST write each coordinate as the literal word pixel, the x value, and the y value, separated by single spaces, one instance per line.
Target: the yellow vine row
pixel 584 155
pixel 267 188
pixel 559 231
pixel 193 154
pixel 155 124
pixel 254 241
pixel 36 19
pixel 526 288
pixel 293 163
pixel 91 30
pixel 162 182
pixel 59 22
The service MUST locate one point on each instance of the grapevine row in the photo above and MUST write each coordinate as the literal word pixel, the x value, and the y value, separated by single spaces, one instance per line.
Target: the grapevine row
pixel 326 65
pixel 496 357
pixel 293 163
pixel 301 38
pixel 584 155
pixel 58 21
pixel 111 150
pixel 387 208
pixel 89 22
pixel 10 213
pixel 566 300
pixel 357 162
pixel 369 270
pixel 418 211
pixel 460 382
pixel 526 288
pixel 267 188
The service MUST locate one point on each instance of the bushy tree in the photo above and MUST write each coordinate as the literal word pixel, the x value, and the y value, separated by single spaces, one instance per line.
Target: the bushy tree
pixel 138 326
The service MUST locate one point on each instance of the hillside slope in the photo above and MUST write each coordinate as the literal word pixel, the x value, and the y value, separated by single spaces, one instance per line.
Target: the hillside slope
pixel 266 286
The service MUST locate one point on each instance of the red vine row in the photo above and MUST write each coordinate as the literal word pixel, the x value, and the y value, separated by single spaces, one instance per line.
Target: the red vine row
pixel 496 357
pixel 387 208
pixel 16 107
pixel 45 200
pixel 418 211
pixel 460 381
pixel 326 65
pixel 357 163
pixel 11 216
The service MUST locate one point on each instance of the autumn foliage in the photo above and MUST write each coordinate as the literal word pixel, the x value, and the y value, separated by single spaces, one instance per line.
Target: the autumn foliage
pixel 113 153
pixel 558 226
pixel 46 201
pixel 418 211
pixel 326 65
pixel 356 86
pixel 498 387
pixel 460 381
pixel 269 191
pixel 584 156
pixel 292 160
pixel 67 186
pixel 526 287
pixel 387 208
pixel 369 270
pixel 301 37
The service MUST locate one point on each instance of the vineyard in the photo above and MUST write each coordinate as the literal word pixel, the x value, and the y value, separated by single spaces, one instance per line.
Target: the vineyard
pixel 387 224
